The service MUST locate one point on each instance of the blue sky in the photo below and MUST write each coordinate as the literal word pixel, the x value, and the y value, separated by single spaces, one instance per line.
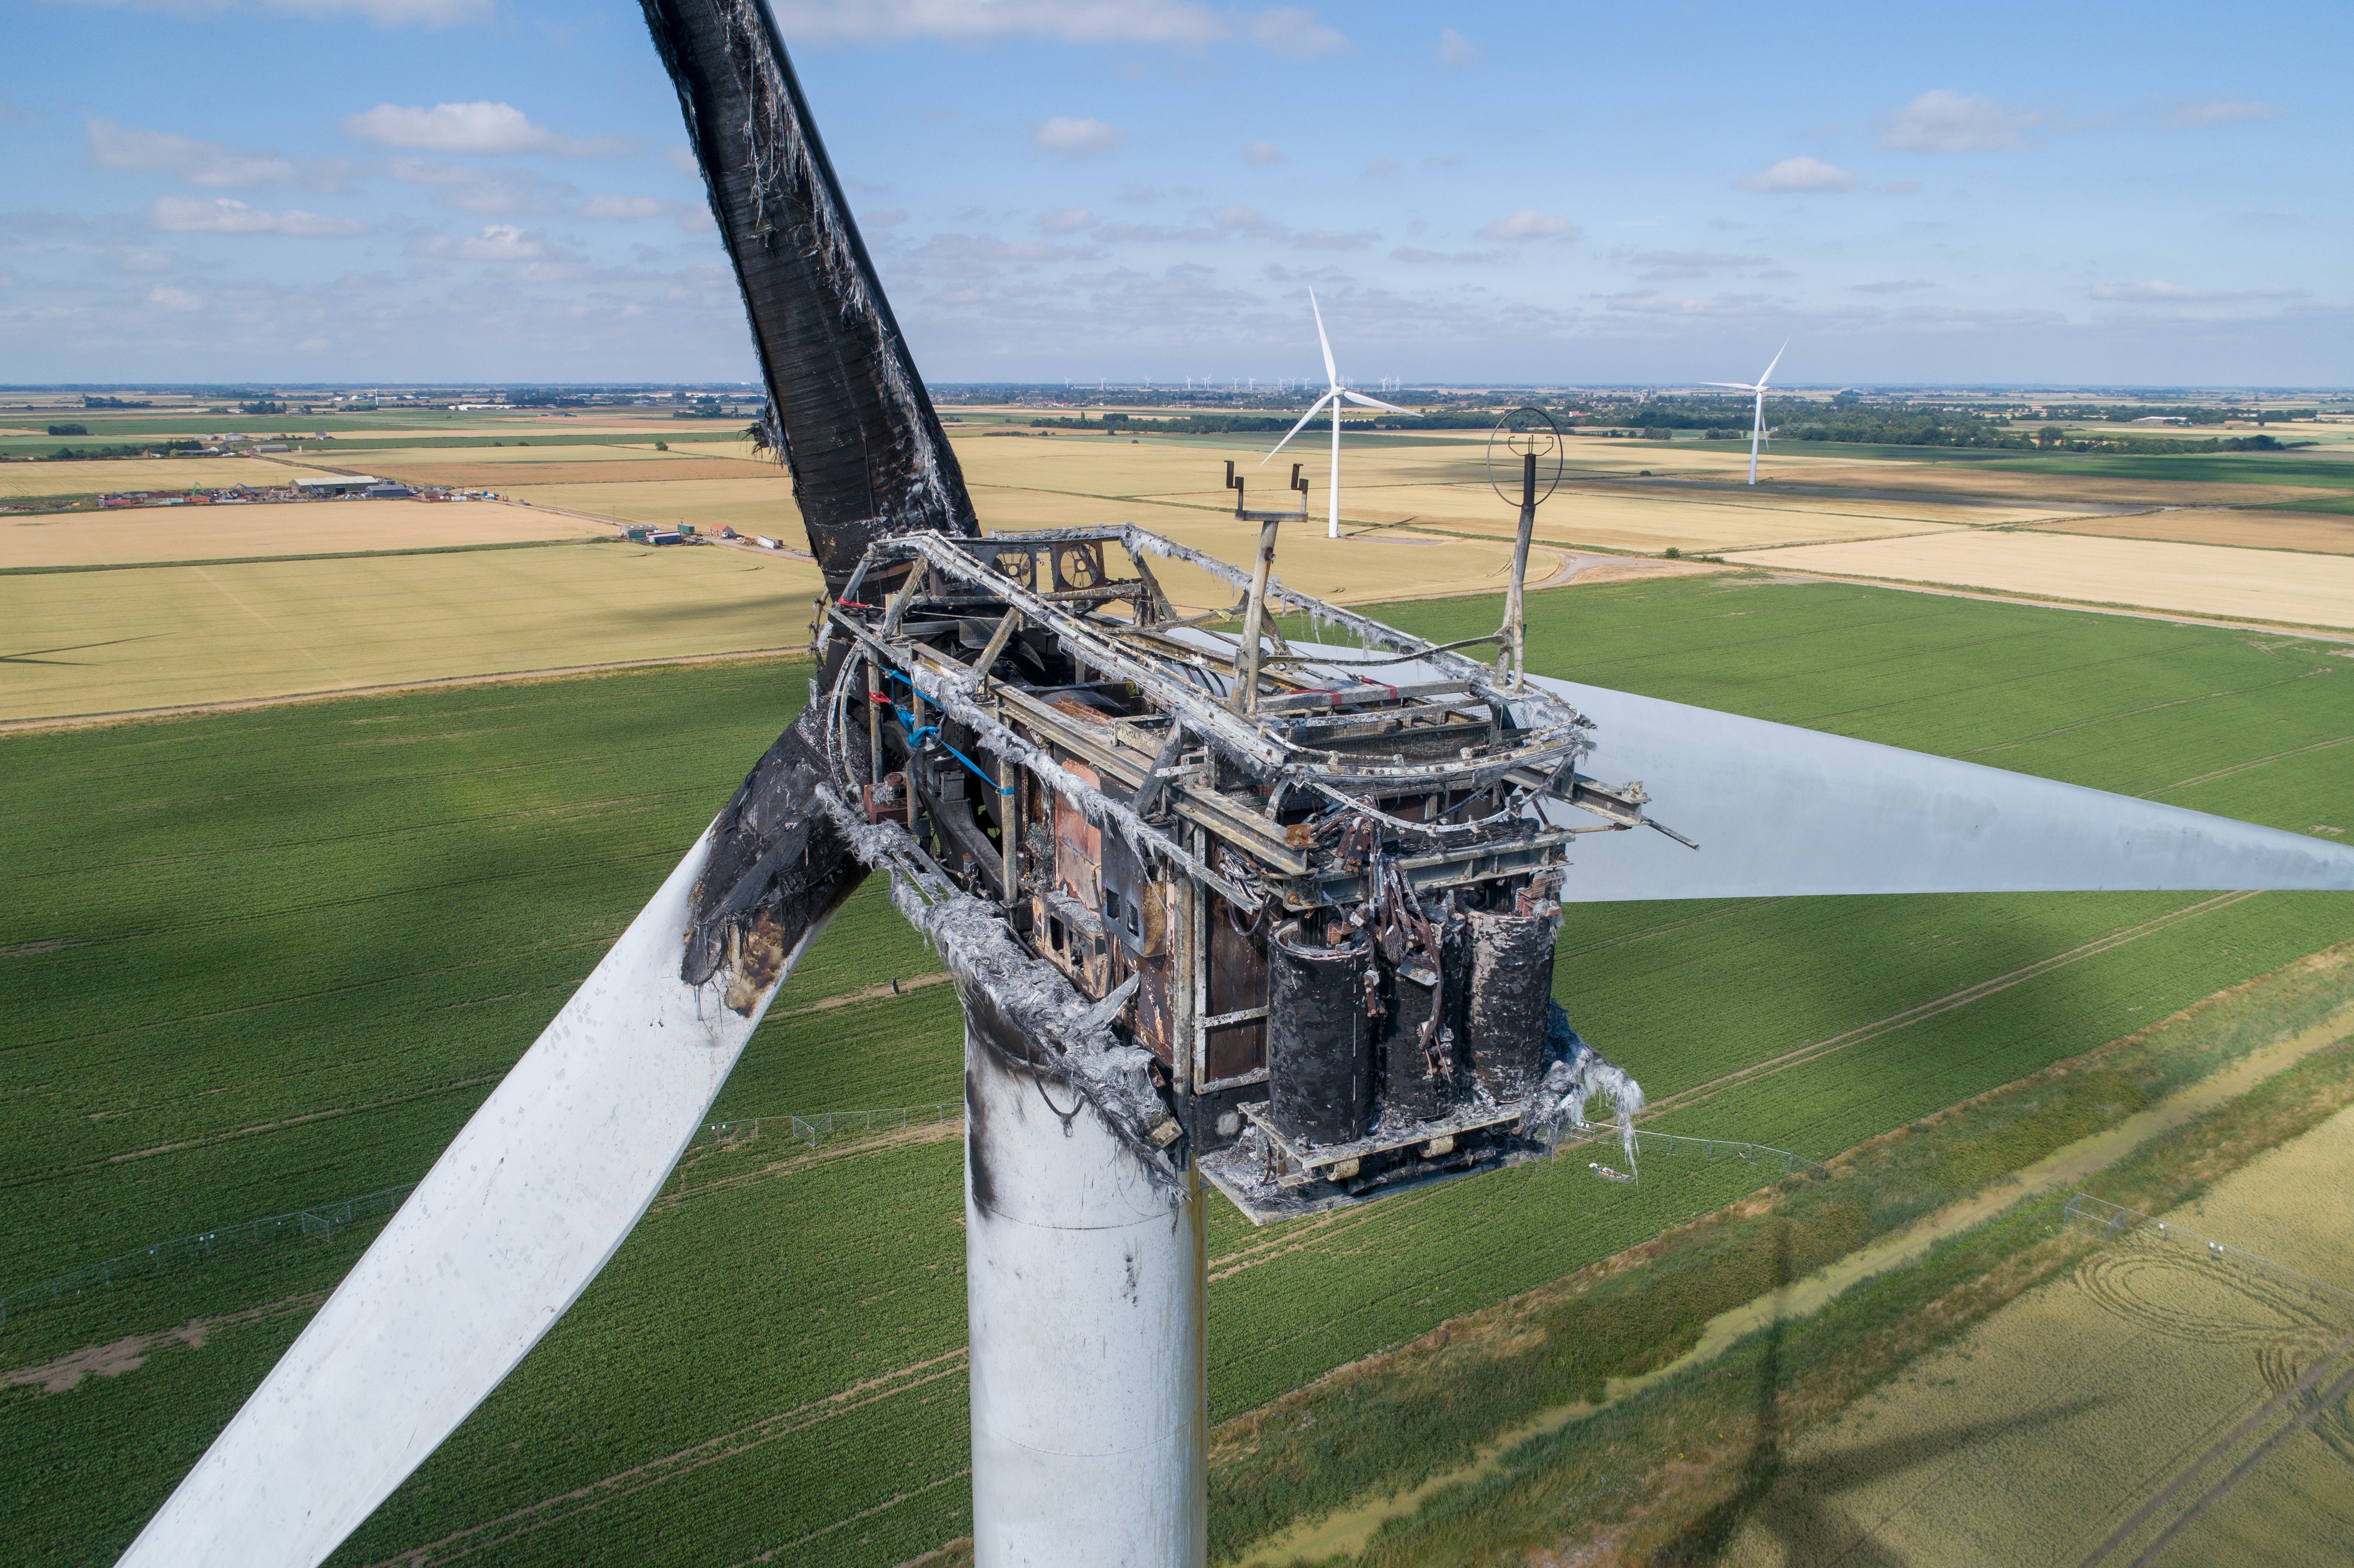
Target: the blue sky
pixel 415 190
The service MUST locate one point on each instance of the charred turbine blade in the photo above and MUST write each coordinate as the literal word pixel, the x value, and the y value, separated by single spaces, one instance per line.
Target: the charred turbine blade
pixel 778 866
pixel 847 409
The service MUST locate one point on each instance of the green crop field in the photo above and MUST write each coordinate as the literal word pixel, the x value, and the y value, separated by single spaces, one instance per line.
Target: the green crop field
pixel 257 960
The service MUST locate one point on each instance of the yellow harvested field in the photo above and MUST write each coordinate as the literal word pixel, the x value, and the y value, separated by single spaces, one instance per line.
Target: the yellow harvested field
pixel 90 643
pixel 1361 571
pixel 503 477
pixel 2140 1410
pixel 761 504
pixel 515 454
pixel 294 528
pixel 2194 579
pixel 2315 531
pixel 104 475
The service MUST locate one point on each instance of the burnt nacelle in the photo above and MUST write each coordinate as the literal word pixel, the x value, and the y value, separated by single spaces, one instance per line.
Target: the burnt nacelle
pixel 1312 882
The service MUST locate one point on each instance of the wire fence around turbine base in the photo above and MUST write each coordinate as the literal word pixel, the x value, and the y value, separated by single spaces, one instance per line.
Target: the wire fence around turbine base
pixel 325 1221
pixel 815 1126
pixel 2113 1220
pixel 1677 1145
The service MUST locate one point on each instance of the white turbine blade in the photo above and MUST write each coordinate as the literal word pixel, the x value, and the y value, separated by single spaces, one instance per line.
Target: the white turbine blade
pixel 1312 413
pixel 1331 374
pixel 1362 401
pixel 1736 386
pixel 503 1234
pixel 1780 810
pixel 1771 363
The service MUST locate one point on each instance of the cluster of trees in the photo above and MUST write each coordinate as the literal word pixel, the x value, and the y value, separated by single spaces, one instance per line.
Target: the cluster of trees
pixel 77 454
pixel 262 405
pixel 89 401
pixel 2127 413
pixel 69 430
pixel 2052 438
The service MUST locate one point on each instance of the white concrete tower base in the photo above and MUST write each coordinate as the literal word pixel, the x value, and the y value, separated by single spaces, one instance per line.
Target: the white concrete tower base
pixel 1084 1280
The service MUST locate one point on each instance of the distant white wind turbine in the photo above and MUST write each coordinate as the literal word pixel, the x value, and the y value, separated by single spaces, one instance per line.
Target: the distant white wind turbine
pixel 1333 394
pixel 1757 430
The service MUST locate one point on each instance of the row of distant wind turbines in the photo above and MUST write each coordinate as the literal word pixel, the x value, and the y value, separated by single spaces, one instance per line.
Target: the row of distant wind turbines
pixel 1335 394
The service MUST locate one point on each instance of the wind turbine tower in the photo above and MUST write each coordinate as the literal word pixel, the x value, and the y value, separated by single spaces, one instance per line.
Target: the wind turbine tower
pixel 1757 426
pixel 1333 394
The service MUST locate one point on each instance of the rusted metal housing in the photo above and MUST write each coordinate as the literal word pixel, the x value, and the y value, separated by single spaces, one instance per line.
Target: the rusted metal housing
pixel 1288 873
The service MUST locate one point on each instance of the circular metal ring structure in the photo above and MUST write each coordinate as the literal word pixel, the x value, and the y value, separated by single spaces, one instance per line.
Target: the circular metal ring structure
pixel 1521 431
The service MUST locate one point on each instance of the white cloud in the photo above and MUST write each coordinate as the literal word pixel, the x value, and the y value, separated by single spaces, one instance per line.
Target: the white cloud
pixel 1068 138
pixel 1065 220
pixel 2202 113
pixel 1168 23
pixel 1381 168
pixel 382 12
pixel 474 190
pixel 192 215
pixel 681 156
pixel 143 259
pixel 1799 174
pixel 1652 303
pixel 170 299
pixel 396 13
pixel 215 163
pixel 1455 52
pixel 1530 224
pixel 493 242
pixel 1294 31
pixel 624 207
pixel 883 217
pixel 1891 286
pixel 480 129
pixel 1415 256
pixel 1944 120
pixel 2158 292
pixel 1665 264
pixel 1262 154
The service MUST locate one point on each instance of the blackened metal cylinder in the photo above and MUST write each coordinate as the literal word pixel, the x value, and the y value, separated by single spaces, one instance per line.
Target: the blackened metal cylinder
pixel 1418 1066
pixel 1511 989
pixel 1320 1072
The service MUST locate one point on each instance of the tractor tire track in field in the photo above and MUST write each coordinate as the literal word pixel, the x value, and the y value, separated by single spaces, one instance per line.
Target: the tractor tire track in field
pixel 2248 767
pixel 1699 1093
pixel 2299 1395
pixel 1327 1229
pixel 359 901
pixel 685 1461
pixel 208 1140
pixel 894 1501
pixel 809 1160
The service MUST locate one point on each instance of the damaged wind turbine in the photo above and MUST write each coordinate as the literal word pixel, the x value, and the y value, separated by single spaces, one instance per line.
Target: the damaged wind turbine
pixel 1757 425
pixel 1334 393
pixel 1279 918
